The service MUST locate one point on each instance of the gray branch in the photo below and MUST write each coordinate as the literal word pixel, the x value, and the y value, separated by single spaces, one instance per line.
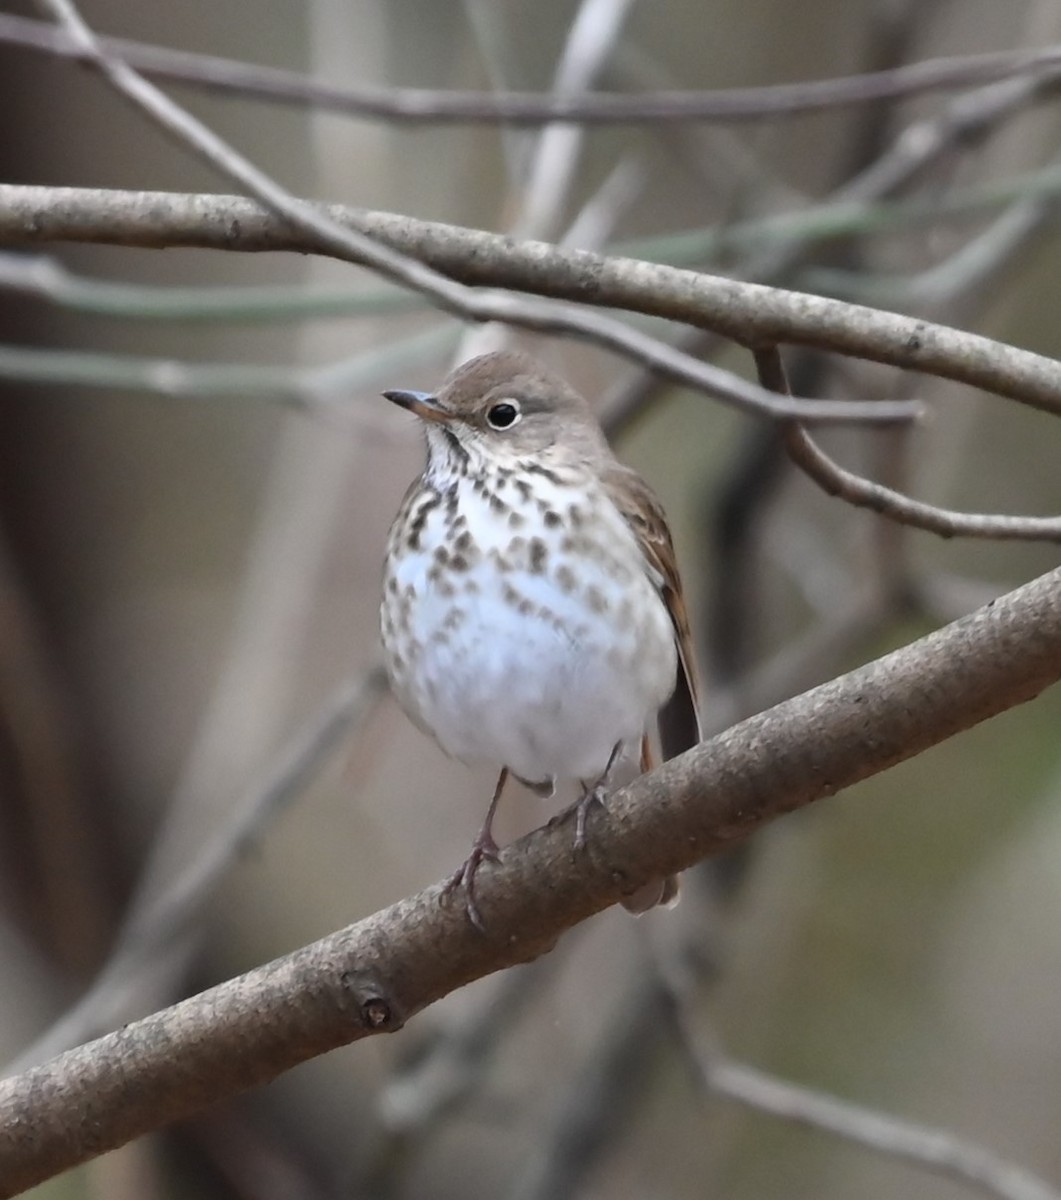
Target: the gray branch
pixel 748 313
pixel 377 974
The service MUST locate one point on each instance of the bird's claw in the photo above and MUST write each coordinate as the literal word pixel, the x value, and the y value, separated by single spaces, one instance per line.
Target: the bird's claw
pixel 596 795
pixel 486 848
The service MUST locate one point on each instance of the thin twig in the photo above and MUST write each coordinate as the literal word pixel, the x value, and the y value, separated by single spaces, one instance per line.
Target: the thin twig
pixel 298 386
pixel 39 275
pixel 917 147
pixel 836 219
pixel 865 493
pixel 160 376
pixel 936 1150
pixel 983 255
pixel 422 105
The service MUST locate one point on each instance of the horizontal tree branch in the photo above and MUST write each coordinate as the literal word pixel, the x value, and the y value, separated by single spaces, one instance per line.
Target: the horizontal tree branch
pixel 424 105
pixel 376 974
pixel 451 295
pixel 750 314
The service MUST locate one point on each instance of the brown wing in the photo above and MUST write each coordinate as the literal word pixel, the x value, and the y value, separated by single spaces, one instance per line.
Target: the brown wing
pixel 679 719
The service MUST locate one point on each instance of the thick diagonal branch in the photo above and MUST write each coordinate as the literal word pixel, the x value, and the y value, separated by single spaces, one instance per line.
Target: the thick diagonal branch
pixel 373 976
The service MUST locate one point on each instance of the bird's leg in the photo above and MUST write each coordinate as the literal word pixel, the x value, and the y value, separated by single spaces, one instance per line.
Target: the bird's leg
pixel 484 846
pixel 593 793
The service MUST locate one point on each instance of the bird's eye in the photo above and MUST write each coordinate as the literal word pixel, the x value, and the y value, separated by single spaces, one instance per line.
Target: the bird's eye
pixel 503 415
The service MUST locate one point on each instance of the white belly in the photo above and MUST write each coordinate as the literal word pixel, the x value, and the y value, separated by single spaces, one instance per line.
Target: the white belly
pixel 537 656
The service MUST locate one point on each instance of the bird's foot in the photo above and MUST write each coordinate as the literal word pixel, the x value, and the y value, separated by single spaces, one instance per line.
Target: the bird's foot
pixel 592 794
pixel 597 794
pixel 484 847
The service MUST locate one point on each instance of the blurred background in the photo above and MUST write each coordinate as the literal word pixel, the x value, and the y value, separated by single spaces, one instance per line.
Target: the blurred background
pixel 189 564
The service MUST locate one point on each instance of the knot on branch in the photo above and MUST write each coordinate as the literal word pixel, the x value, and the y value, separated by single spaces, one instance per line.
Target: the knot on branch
pixel 366 996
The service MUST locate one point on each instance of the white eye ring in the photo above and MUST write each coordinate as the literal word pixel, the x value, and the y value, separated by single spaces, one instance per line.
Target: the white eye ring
pixel 504 414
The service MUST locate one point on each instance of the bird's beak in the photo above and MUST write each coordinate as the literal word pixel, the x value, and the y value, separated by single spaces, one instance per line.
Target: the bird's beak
pixel 422 403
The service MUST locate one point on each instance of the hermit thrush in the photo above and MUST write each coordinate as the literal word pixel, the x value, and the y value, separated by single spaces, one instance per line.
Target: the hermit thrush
pixel 532 613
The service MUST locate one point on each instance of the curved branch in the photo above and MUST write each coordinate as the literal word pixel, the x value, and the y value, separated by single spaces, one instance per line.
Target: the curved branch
pixel 749 313
pixel 373 976
pixel 836 480
pixel 866 493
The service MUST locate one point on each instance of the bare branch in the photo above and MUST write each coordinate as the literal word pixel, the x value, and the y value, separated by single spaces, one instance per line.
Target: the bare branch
pixel 422 105
pixel 865 493
pixel 748 313
pixel 156 219
pixel 375 975
pixel 51 280
pixel 934 1150
pixel 162 376
pixel 839 218
pixel 966 269
pixel 400 267
pixel 937 1150
pixel 298 386
pixel 392 263
pixel 917 147
pixel 965 121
